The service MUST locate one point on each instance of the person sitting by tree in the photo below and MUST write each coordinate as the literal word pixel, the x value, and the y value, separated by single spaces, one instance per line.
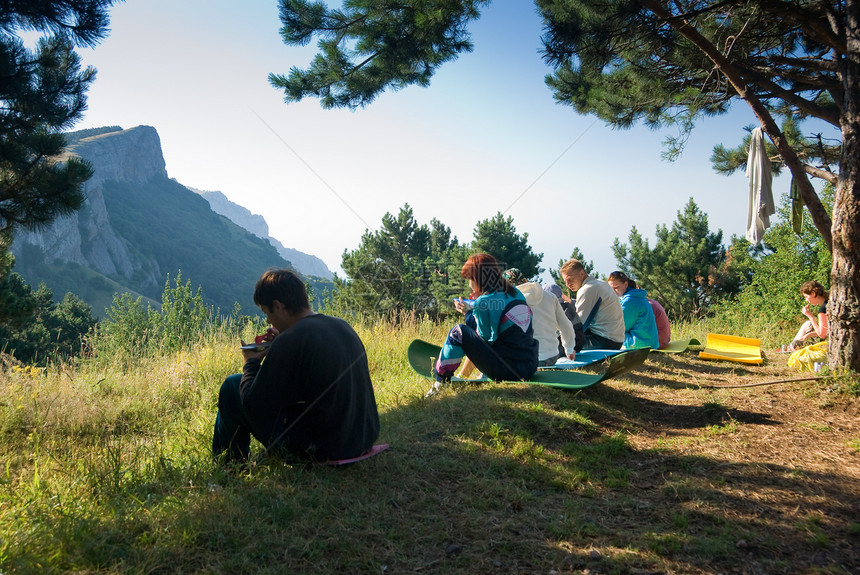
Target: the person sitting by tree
pixel 497 334
pixel 816 312
pixel 640 325
pixel 312 397
pixel 597 306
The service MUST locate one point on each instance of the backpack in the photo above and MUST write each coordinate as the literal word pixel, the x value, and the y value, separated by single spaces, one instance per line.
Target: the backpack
pixel 807 357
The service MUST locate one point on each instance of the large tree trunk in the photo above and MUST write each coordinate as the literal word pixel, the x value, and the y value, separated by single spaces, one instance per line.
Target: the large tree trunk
pixel 843 349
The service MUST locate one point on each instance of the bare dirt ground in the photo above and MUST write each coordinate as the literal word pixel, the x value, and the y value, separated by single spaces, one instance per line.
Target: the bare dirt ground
pixel 774 468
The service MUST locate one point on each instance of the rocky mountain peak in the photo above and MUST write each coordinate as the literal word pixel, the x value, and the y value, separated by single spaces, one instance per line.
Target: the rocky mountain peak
pixel 86 237
pixel 132 210
pixel 132 155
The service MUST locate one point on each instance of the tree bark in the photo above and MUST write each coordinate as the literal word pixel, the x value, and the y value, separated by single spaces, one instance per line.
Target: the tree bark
pixel 843 349
pixel 842 234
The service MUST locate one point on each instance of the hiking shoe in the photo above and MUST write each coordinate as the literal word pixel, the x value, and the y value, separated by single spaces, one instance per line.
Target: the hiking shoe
pixel 441 382
pixel 437 387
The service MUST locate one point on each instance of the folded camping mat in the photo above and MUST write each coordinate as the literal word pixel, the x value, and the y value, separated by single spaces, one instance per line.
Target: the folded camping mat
pixel 679 345
pixel 582 359
pixel 732 348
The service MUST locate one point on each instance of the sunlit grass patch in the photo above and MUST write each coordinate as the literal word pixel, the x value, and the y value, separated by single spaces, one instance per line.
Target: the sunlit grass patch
pixel 728 427
pixel 817 427
pixel 670 444
pixel 31 371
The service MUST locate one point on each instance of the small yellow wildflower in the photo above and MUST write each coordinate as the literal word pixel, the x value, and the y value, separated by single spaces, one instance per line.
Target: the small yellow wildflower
pixel 28 370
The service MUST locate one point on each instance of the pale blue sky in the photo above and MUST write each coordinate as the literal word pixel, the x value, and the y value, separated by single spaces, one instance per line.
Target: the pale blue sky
pixel 486 136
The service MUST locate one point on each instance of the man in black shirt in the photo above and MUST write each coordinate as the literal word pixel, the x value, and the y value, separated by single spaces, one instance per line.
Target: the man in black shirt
pixel 308 394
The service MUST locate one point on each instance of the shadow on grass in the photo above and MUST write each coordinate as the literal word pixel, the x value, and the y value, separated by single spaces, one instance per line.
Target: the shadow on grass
pixel 487 479
pixel 617 408
pixel 667 369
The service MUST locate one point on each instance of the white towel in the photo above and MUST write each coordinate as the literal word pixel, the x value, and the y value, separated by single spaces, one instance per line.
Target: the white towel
pixel 761 196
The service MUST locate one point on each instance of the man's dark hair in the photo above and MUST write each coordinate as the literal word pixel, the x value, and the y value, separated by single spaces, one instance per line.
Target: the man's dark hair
pixel 282 285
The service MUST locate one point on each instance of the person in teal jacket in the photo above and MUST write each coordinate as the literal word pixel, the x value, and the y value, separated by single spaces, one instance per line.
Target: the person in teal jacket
pixel 497 335
pixel 640 325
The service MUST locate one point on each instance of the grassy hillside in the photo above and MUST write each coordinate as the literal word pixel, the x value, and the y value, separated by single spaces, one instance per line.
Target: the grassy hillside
pixel 172 229
pixel 670 469
pixel 94 288
pixel 168 229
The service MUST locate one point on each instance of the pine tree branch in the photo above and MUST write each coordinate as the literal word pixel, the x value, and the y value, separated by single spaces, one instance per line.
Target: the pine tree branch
pixel 773 89
pixel 813 27
pixel 821 173
pixel 819 215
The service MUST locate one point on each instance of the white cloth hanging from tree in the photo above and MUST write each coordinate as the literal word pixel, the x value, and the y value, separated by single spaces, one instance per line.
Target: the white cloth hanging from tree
pixel 761 196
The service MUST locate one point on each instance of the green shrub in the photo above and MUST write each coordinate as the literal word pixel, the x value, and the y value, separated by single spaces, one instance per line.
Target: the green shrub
pixel 132 331
pixel 769 304
pixel 54 332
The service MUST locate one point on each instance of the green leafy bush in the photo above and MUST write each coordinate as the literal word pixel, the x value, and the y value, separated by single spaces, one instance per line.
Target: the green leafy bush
pixel 768 306
pixel 52 332
pixel 133 331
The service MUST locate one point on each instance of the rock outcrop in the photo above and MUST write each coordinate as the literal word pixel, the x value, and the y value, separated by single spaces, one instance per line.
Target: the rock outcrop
pixel 86 237
pixel 137 227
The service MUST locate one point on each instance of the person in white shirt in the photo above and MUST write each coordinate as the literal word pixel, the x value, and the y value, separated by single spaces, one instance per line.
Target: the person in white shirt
pixel 597 306
pixel 548 320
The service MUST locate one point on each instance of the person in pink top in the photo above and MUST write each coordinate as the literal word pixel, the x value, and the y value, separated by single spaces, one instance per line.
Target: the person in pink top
pixel 664 328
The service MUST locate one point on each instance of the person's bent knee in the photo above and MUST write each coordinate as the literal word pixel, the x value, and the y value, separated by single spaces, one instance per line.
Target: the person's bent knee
pixel 229 392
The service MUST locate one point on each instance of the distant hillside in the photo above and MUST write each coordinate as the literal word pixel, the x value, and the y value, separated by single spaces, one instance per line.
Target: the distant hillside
pixel 256 224
pixel 136 228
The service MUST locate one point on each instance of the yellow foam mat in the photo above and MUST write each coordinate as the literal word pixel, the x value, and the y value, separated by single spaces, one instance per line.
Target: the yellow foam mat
pixel 732 348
